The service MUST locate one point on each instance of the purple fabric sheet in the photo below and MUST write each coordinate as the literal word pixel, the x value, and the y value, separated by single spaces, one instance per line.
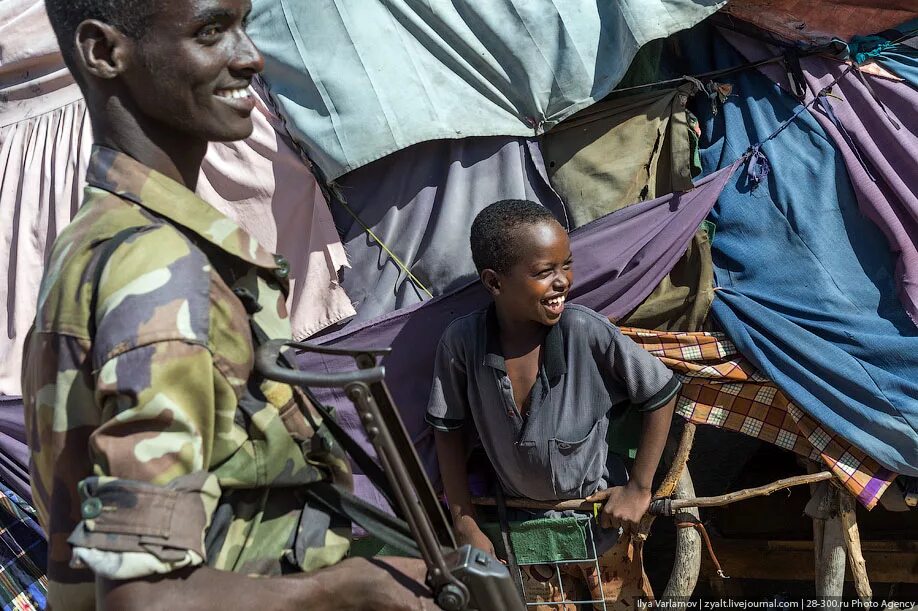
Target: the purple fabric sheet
pixel 886 183
pixel 618 260
pixel 421 202
pixel 14 453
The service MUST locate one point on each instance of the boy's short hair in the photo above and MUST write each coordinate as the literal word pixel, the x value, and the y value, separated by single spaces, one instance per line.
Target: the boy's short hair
pixel 131 17
pixel 494 232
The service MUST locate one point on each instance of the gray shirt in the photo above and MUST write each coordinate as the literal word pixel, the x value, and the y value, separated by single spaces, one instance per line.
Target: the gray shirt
pixel 559 449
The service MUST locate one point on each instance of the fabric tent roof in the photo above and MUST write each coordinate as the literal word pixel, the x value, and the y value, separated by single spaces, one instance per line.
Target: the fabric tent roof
pixel 359 79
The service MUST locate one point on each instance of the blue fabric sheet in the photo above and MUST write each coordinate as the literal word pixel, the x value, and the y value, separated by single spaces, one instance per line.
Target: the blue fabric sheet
pixel 900 58
pixel 807 282
pixel 903 61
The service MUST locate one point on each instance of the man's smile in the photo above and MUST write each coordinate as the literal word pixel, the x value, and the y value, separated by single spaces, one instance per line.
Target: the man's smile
pixel 239 98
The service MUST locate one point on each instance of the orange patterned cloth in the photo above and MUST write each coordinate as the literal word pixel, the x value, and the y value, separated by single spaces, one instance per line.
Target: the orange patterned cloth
pixel 723 389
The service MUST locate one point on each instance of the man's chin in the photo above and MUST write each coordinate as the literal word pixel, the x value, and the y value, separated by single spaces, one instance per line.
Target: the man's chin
pixel 232 135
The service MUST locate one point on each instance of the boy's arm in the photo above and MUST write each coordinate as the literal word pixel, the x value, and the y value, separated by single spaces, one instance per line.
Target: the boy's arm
pixel 451 452
pixel 447 413
pixel 626 505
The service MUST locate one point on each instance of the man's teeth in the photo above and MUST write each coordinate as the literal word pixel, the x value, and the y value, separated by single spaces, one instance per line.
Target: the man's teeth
pixel 234 93
pixel 555 301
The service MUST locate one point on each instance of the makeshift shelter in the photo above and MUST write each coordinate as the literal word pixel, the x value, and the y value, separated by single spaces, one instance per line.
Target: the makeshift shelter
pixel 784 208
pixel 811 261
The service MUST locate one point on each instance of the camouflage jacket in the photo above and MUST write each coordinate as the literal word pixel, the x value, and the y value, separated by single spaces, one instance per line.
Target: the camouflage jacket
pixel 153 444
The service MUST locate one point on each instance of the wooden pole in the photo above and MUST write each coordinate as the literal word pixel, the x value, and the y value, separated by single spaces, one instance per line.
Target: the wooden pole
pixel 574 504
pixel 742 495
pixel 829 550
pixel 673 476
pixel 687 565
pixel 678 482
pixel 676 504
pixel 852 539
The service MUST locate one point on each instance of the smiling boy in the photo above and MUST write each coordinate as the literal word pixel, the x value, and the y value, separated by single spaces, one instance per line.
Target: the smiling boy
pixel 538 378
pixel 166 472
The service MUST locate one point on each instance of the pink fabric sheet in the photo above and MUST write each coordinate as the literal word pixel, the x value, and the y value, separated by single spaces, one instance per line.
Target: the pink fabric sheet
pixel 45 137
pixel 264 185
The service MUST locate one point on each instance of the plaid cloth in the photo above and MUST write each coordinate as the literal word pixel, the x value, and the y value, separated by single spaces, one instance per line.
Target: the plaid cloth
pixel 23 555
pixel 722 388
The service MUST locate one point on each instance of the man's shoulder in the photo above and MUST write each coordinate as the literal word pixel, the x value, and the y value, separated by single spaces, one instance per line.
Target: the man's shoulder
pixel 156 286
pixel 128 266
pixel 68 273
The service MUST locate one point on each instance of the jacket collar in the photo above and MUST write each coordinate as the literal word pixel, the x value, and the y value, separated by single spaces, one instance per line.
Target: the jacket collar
pixel 553 360
pixel 129 179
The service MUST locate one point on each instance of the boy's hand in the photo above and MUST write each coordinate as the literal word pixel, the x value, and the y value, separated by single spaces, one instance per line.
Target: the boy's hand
pixel 467 531
pixel 623 506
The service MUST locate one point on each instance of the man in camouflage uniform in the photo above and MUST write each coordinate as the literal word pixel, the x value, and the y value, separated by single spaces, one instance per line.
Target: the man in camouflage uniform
pixel 160 461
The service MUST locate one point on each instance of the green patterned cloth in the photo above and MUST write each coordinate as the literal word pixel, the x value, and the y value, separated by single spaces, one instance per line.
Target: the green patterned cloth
pixel 534 541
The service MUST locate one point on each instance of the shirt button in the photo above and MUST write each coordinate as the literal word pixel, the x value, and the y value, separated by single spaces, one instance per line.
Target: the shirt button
pixel 283 267
pixel 249 301
pixel 505 383
pixel 91 508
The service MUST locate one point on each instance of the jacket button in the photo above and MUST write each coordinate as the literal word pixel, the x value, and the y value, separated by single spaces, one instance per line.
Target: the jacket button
pixel 91 508
pixel 283 267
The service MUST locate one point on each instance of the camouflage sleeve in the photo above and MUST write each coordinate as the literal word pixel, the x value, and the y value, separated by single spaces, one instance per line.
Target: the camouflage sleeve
pixel 147 507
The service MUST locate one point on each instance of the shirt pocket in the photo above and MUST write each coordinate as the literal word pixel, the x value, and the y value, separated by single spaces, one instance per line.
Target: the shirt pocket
pixel 575 463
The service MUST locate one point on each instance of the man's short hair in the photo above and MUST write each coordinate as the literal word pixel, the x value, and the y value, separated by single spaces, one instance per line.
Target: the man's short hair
pixel 495 232
pixel 131 17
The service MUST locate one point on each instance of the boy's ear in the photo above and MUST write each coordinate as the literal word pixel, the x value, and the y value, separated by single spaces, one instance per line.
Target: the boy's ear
pixel 101 50
pixel 491 281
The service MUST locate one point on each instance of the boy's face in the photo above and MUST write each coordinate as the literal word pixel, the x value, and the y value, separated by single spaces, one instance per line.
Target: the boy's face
pixel 192 70
pixel 536 286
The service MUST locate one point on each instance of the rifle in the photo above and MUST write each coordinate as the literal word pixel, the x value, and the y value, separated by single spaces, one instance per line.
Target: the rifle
pixel 461 578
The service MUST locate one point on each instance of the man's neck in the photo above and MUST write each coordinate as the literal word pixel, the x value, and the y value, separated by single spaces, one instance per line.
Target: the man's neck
pixel 158 147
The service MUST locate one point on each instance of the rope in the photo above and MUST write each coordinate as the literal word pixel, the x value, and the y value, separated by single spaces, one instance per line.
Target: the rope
pixel 327 192
pixel 759 168
pixel 826 48
pixel 401 265
pixel 698 526
pixel 705 75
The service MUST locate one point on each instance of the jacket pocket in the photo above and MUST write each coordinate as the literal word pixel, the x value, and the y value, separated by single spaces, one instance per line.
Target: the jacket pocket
pixel 575 464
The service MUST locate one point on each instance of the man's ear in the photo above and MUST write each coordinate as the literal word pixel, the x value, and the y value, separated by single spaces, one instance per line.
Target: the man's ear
pixel 491 281
pixel 101 50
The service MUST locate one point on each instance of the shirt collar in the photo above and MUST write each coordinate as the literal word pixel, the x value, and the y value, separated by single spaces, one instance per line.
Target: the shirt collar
pixel 127 178
pixel 554 362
